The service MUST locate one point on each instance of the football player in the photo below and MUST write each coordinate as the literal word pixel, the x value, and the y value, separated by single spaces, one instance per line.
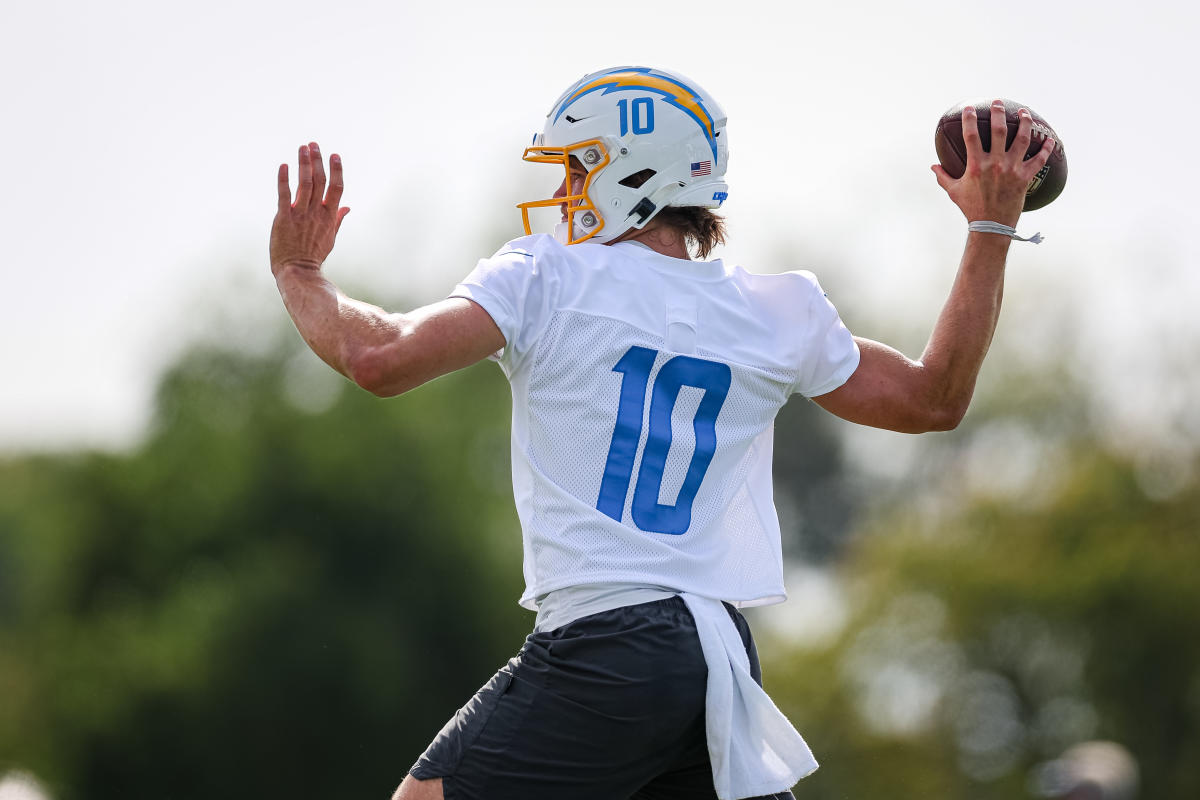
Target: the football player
pixel 644 389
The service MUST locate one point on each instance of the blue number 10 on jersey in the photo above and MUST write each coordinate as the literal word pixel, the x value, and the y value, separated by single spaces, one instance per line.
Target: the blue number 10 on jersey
pixel 648 514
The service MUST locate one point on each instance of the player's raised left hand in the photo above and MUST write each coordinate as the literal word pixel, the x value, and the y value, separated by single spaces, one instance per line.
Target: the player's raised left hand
pixel 304 230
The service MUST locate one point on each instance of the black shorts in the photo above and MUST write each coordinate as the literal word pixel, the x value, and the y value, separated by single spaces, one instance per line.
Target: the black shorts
pixel 608 707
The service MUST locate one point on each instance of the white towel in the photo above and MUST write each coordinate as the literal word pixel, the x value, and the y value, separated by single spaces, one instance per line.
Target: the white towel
pixel 753 747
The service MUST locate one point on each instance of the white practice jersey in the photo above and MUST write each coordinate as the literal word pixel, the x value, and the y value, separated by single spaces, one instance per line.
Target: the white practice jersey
pixel 644 394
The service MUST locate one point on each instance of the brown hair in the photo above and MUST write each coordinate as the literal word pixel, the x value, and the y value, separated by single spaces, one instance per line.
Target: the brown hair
pixel 701 228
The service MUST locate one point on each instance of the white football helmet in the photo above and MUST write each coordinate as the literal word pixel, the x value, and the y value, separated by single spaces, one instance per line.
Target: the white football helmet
pixel 648 139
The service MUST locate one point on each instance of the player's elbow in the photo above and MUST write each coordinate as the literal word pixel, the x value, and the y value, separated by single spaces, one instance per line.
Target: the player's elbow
pixel 946 418
pixel 926 416
pixel 379 371
pixel 938 407
pixel 943 411
pixel 922 420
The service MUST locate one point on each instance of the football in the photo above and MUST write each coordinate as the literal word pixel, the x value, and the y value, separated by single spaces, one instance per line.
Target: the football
pixel 952 152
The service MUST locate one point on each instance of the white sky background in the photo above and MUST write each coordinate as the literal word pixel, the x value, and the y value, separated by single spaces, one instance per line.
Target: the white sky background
pixel 141 140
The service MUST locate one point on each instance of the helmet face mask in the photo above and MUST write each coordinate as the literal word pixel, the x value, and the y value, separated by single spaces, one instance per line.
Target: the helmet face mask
pixel 647 138
pixel 581 214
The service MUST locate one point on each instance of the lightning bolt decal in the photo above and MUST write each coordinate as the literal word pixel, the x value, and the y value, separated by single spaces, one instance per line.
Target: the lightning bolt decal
pixel 643 79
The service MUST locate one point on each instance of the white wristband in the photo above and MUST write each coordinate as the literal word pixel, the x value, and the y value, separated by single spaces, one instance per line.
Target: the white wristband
pixel 983 226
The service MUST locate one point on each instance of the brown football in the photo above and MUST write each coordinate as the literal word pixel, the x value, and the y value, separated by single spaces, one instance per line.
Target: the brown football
pixel 952 152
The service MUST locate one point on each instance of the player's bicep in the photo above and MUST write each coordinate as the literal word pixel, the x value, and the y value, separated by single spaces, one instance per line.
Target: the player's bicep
pixel 429 342
pixel 887 390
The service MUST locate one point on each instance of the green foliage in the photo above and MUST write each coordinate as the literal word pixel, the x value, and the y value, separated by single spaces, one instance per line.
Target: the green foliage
pixel 286 589
pixel 987 639
pixel 814 496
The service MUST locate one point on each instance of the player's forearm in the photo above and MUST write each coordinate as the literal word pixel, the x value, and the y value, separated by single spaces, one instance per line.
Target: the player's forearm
pixel 992 188
pixel 964 329
pixel 338 328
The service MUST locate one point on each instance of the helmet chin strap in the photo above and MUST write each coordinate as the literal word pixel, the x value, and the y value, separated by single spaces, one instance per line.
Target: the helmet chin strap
pixel 647 206
pixel 562 233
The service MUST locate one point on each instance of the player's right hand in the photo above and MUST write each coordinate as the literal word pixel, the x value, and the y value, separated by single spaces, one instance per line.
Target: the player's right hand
pixel 994 183
pixel 304 230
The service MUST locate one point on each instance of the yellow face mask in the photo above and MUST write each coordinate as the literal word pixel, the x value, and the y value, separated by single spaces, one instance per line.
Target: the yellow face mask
pixel 574 197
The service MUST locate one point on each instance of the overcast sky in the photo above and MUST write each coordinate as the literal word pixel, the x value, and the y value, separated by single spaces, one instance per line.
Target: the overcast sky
pixel 142 138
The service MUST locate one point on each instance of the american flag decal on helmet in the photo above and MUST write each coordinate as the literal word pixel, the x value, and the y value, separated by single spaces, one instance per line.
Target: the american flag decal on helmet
pixel 701 168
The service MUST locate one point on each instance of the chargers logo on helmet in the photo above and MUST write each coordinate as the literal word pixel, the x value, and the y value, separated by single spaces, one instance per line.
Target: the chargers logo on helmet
pixel 673 91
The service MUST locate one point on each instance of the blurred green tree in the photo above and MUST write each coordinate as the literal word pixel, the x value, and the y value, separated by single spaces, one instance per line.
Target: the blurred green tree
pixel 285 590
pixel 1039 590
